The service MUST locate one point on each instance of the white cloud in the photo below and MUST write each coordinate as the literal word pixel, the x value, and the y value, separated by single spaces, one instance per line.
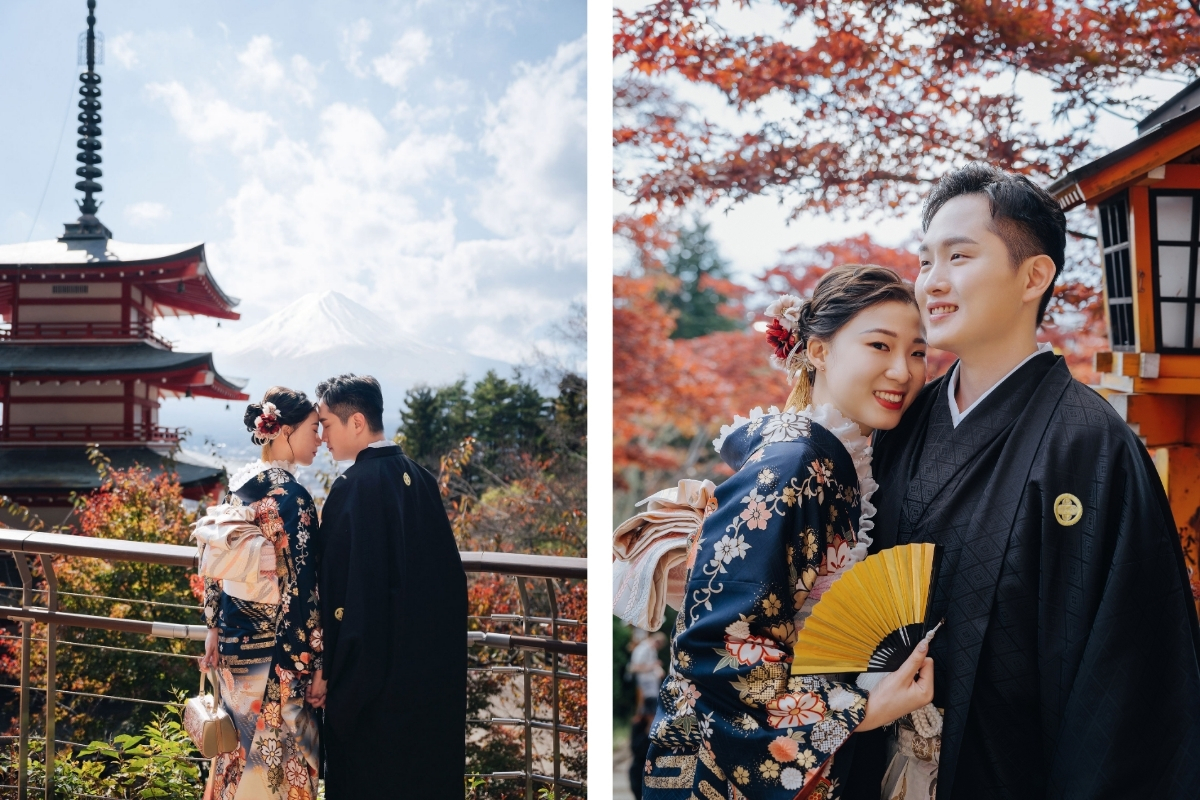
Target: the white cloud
pixel 353 38
pixel 407 52
pixel 359 203
pixel 537 136
pixel 120 48
pixel 262 70
pixel 146 213
pixel 211 120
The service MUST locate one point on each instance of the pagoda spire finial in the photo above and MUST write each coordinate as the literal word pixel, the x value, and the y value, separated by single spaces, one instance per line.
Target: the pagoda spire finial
pixel 88 227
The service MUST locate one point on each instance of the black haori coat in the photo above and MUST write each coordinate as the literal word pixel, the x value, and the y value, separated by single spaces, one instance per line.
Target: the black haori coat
pixel 394 602
pixel 1067 667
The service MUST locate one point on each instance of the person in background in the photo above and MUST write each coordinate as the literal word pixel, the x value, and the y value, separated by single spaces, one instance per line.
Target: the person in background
pixel 647 670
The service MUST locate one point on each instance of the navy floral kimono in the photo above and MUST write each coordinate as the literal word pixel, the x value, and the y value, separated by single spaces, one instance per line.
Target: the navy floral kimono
pixel 732 721
pixel 269 653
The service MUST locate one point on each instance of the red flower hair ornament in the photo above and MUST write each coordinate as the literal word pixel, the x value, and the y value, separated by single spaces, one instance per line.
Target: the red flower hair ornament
pixel 267 425
pixel 783 335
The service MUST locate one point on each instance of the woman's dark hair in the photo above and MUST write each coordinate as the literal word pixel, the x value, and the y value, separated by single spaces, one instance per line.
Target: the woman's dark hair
pixel 1024 215
pixel 293 407
pixel 350 394
pixel 841 294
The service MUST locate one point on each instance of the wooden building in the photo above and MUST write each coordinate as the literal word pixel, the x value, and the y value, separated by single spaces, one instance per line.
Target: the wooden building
pixel 80 362
pixel 1146 196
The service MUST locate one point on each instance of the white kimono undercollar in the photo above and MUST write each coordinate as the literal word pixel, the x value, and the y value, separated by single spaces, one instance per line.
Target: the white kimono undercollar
pixel 240 478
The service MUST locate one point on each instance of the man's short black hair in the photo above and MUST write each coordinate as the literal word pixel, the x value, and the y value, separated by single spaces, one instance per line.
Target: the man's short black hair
pixel 349 394
pixel 1024 216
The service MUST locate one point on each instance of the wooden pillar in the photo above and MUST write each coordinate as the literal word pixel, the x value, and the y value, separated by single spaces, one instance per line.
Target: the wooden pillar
pixel 1183 492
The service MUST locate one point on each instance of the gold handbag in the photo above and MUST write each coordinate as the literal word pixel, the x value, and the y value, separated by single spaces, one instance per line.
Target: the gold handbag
pixel 210 728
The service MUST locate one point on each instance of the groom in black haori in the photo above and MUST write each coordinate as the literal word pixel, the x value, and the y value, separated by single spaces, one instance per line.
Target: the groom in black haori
pixel 394 606
pixel 1068 663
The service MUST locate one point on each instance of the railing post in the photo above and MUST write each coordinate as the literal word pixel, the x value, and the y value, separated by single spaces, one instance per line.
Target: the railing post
pixel 526 657
pixel 51 663
pixel 26 635
pixel 554 719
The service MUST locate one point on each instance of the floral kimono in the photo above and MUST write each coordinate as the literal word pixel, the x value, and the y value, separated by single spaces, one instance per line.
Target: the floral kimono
pixel 269 652
pixel 732 721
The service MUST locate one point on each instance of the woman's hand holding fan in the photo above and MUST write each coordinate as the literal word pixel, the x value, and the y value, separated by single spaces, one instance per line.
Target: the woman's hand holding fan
pixel 903 691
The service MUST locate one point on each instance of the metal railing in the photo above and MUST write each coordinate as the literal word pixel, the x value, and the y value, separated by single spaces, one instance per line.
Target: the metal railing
pixel 528 570
pixel 67 332
pixel 102 434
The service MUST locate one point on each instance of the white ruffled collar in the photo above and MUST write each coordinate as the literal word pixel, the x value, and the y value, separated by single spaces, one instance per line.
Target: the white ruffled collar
pixel 240 478
pixel 857 445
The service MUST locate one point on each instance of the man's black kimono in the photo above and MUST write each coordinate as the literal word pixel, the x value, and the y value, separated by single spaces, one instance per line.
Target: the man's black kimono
pixel 394 605
pixel 1068 664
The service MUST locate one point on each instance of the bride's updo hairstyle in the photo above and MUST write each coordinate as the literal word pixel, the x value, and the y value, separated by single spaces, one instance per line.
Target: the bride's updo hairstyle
pixel 279 406
pixel 838 297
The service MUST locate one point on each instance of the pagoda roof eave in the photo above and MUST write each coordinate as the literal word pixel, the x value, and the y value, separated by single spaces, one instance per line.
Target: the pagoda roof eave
pixel 176 372
pixel 1128 164
pixel 185 263
pixel 53 470
pixel 91 361
pixel 53 253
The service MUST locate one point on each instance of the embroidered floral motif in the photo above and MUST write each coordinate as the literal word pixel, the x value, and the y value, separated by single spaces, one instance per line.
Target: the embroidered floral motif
pixel 753 649
pixel 763 683
pixel 756 512
pixel 795 709
pixel 688 695
pixel 729 548
pixel 827 736
pixel 785 427
pixel 296 772
pixel 784 748
pixel 837 555
pixel 792 779
pixel 771 605
pixel 270 751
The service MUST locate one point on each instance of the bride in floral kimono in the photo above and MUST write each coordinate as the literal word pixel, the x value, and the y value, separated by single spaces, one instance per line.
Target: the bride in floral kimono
pixel 732 722
pixel 267 654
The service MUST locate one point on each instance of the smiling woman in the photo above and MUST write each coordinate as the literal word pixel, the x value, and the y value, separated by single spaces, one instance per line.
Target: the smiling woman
pixel 796 514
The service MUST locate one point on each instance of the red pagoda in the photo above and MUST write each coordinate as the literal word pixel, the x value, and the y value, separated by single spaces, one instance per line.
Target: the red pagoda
pixel 80 362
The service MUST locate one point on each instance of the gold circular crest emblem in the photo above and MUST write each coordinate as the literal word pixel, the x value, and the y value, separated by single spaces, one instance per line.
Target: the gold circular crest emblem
pixel 1067 509
pixel 407 480
pixel 337 614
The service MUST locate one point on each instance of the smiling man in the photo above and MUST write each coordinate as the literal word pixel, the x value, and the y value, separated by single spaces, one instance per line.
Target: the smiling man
pixel 1067 666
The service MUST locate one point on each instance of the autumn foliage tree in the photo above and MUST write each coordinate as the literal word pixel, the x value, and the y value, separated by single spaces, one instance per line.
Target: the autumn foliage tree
pixel 511 463
pixel 139 505
pixel 882 97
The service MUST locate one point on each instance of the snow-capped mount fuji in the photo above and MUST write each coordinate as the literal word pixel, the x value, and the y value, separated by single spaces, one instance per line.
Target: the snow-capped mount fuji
pixel 315 324
pixel 320 335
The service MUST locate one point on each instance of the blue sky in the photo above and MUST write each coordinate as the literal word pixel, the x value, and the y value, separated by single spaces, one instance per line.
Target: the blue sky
pixel 425 159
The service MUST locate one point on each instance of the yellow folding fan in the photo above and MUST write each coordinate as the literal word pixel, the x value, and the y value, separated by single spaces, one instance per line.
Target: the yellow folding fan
pixel 870 618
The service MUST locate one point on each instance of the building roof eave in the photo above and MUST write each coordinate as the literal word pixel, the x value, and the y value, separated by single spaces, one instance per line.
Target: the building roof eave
pixel 1129 163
